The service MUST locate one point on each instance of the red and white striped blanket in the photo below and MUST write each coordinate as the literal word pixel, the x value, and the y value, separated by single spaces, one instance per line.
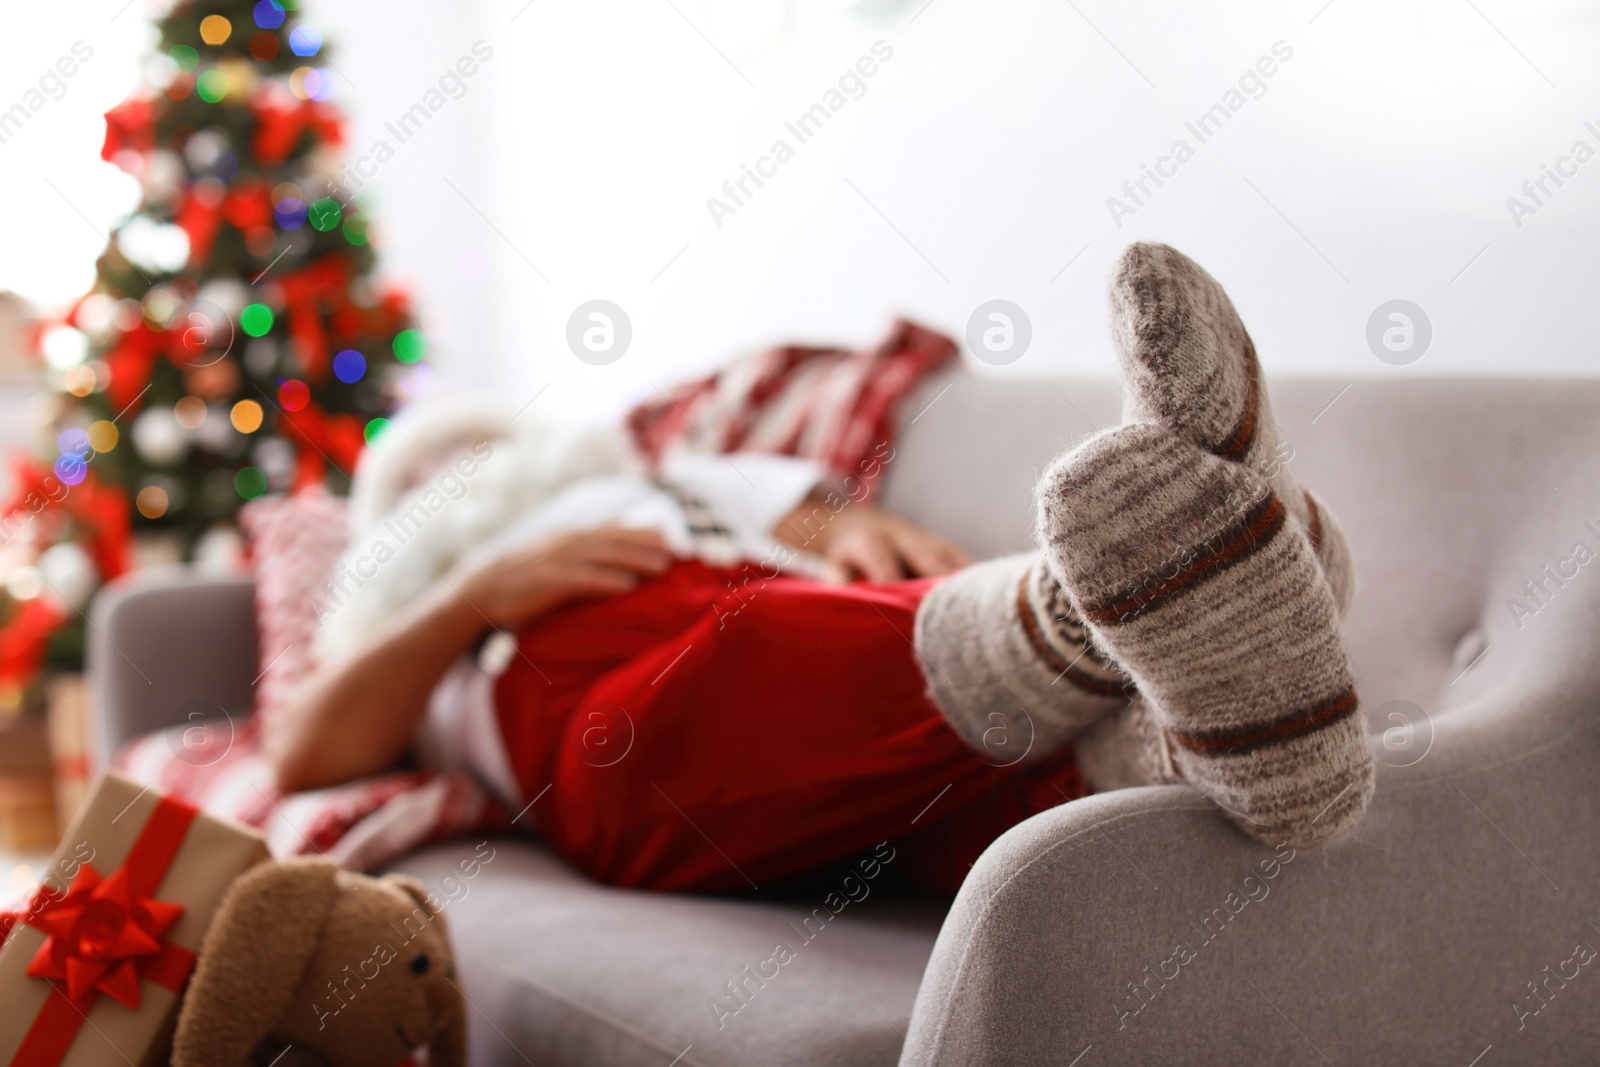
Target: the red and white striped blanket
pixel 827 404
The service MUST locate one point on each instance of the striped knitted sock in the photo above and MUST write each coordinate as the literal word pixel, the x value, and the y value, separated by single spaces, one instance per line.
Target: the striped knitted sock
pixel 1188 364
pixel 1125 749
pixel 1014 671
pixel 1190 575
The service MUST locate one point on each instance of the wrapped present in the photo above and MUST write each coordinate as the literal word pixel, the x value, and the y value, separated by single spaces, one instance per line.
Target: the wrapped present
pixel 96 960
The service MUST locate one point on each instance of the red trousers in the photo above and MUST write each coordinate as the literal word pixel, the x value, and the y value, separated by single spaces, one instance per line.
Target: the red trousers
pixel 714 730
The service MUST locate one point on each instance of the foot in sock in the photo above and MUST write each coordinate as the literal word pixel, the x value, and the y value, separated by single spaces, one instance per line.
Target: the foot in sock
pixel 1190 575
pixel 1189 365
pixel 1014 671
pixel 1008 660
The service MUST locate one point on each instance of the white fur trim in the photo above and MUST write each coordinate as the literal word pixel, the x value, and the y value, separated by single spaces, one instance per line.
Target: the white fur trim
pixel 415 438
pixel 516 466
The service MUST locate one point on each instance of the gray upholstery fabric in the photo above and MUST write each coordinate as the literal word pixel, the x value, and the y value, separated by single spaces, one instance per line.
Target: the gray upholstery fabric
pixel 563 972
pixel 1412 942
pixel 166 646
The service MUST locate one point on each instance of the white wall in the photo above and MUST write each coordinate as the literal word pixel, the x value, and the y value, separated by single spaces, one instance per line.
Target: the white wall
pixel 1377 165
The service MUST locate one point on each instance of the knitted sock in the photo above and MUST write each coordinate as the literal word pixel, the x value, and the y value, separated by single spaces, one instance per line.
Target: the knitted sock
pixel 1009 664
pixel 1188 364
pixel 1189 574
pixel 1125 749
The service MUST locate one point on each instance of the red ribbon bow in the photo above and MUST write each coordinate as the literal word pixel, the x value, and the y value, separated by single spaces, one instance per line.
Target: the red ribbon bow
pixel 131 125
pixel 131 361
pixel 100 933
pixel 106 936
pixel 279 125
pixel 336 439
pixel 97 509
pixel 306 292
pixel 24 640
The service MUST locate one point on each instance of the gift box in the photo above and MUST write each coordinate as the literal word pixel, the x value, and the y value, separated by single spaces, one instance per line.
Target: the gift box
pixel 96 961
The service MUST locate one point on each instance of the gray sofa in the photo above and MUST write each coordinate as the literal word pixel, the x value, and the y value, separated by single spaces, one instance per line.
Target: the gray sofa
pixel 1457 926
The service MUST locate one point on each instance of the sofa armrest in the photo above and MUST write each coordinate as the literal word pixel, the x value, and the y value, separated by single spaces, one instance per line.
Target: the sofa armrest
pixel 168 645
pixel 1140 923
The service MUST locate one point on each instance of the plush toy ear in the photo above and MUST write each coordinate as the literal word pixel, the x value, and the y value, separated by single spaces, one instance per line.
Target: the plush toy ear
pixel 259 943
pixel 422 895
pixel 449 1046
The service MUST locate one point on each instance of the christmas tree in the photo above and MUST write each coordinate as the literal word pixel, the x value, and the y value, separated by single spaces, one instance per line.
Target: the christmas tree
pixel 235 343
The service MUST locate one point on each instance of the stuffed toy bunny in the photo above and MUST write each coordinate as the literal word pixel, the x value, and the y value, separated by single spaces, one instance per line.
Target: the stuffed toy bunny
pixel 306 964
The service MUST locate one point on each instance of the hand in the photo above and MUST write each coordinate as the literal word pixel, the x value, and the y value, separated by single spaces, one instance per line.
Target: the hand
pixel 864 542
pixel 538 578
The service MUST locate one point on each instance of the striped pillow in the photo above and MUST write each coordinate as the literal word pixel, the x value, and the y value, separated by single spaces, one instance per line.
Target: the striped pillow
pixel 825 404
pixel 294 543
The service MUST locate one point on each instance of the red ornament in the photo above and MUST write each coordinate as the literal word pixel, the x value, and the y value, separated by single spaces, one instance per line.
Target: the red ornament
pixel 99 933
pixel 294 394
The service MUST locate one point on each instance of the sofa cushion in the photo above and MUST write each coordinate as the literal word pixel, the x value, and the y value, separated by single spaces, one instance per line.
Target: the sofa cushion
pixel 560 970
